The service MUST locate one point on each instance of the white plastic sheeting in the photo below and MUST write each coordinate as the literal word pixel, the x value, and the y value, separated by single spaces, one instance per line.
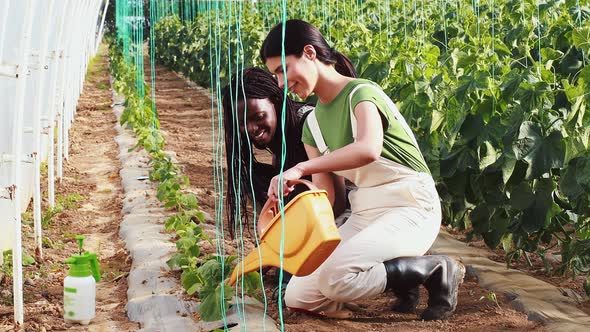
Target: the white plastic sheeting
pixel 45 47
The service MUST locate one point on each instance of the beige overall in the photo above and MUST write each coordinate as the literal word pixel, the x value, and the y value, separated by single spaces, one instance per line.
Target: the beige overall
pixel 395 212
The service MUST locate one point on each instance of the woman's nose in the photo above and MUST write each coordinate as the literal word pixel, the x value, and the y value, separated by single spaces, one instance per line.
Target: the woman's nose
pixel 252 128
pixel 281 81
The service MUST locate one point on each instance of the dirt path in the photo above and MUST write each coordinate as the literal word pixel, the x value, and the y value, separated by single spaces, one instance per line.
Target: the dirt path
pixel 185 118
pixel 90 193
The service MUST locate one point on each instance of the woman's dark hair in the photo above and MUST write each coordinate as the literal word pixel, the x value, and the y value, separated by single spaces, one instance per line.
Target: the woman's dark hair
pixel 299 33
pixel 254 83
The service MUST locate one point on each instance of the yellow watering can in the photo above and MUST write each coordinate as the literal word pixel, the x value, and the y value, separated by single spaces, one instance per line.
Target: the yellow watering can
pixel 310 235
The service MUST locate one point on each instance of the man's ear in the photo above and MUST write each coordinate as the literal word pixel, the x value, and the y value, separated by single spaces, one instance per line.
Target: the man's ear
pixel 309 52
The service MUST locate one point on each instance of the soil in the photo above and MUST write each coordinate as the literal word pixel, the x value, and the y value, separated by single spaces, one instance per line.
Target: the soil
pixel 185 117
pixel 571 285
pixel 91 193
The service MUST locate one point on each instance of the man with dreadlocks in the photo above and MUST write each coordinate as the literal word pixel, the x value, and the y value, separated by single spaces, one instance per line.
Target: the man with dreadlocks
pixel 256 95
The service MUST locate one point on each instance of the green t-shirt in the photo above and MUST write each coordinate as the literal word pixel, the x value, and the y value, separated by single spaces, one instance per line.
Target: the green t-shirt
pixel 334 121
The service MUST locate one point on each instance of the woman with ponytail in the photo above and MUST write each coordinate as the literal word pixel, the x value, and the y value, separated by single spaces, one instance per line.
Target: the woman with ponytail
pixel 357 133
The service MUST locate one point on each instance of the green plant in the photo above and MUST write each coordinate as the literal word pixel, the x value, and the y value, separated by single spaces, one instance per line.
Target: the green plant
pixel 48 243
pixel 27 217
pixel 201 276
pixel 6 267
pixel 491 296
pixel 44 168
pixel 48 215
pixel 70 201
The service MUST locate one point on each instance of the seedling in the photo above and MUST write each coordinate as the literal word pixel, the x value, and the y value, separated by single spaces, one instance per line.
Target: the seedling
pixel 70 201
pixel 47 217
pixel 491 296
pixel 6 267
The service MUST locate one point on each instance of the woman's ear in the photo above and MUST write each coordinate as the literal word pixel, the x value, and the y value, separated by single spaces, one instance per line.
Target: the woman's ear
pixel 309 52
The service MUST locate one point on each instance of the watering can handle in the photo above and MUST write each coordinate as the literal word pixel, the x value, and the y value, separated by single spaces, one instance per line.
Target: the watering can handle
pixel 270 208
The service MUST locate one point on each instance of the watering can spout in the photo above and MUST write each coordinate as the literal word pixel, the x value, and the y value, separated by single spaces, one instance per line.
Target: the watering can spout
pixel 253 262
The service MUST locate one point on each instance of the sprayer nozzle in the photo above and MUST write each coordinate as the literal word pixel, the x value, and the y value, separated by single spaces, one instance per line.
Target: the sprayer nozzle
pixel 80 239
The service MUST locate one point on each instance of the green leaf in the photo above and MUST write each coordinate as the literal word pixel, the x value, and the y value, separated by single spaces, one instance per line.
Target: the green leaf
pixel 488 155
pixel 531 95
pixel 213 302
pixel 522 196
pixel 437 120
pixel 581 38
pixel 507 168
pixel 548 53
pixel 571 62
pixel 190 277
pixel 28 260
pixel 431 54
pixel 538 216
pixel 177 260
pixel 196 287
pixel 185 243
pixel 507 242
pixel 252 282
pixel 480 218
pixel 584 78
pixel 171 223
pixel 541 153
pixel 211 270
pixel 510 84
pixel 472 126
pixel 466 60
pixel 376 72
pixel 195 250
pixel 486 108
pixel 461 158
pixel 499 227
pixel 575 180
pixel 577 144
pixel 468 84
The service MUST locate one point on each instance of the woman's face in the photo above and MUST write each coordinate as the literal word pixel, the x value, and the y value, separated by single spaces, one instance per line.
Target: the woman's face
pixel 300 71
pixel 261 121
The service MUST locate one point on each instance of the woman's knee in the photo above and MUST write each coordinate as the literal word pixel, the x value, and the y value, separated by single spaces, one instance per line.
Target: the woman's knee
pixel 292 298
pixel 336 285
pixel 302 294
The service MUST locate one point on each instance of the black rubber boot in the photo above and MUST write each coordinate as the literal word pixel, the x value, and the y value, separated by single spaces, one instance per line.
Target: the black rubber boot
pixel 443 289
pixel 441 275
pixel 407 301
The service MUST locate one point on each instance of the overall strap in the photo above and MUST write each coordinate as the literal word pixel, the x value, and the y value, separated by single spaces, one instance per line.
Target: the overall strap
pixel 314 127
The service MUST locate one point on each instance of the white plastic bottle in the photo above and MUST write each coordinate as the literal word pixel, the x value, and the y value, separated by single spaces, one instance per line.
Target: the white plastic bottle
pixel 80 287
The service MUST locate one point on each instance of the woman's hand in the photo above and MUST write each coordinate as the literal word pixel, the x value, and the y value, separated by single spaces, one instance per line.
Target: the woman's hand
pixel 293 173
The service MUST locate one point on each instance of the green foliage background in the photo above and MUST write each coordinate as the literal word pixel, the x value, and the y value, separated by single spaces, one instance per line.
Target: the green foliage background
pixel 496 92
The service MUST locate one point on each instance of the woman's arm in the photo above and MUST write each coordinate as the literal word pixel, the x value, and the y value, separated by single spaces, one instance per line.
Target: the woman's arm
pixel 365 150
